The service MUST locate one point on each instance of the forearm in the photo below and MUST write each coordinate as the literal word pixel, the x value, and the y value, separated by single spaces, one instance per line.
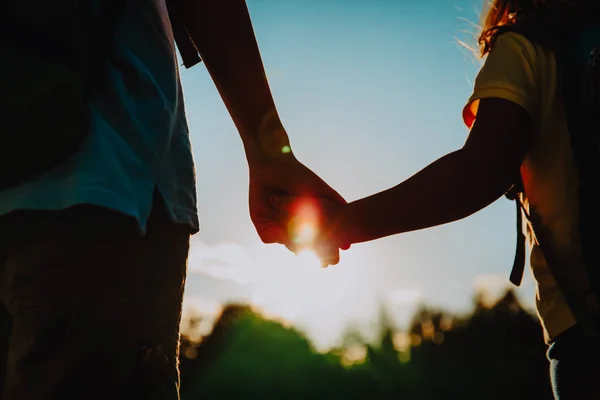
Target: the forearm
pixel 451 188
pixel 223 34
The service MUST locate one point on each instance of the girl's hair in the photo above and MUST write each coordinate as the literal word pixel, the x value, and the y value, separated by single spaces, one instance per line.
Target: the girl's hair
pixel 499 13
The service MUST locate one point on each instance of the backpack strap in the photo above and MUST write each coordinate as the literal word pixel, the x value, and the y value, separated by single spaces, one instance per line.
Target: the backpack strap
pixel 518 268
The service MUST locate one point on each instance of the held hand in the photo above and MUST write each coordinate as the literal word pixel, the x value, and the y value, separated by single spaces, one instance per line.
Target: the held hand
pixel 313 223
pixel 286 176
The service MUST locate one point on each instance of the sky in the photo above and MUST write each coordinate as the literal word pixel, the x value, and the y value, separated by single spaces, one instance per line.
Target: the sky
pixel 370 92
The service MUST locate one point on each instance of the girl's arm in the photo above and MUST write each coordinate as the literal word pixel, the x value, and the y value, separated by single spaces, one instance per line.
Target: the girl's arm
pixel 451 188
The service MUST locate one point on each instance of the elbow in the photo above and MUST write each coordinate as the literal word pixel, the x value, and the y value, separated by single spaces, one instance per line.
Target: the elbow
pixel 489 178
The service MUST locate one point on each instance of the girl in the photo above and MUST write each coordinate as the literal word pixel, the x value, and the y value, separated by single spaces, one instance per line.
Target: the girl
pixel 518 132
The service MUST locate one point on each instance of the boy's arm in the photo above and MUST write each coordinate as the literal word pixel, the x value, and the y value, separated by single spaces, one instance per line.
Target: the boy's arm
pixel 453 187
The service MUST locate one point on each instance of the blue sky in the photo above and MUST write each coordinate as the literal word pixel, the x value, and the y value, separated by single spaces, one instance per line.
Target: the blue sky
pixel 369 92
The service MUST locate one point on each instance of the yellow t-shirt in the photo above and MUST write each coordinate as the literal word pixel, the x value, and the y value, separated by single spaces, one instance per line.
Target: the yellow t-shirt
pixel 526 74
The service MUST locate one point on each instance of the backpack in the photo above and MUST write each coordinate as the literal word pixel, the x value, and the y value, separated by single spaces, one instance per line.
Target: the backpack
pixel 577 50
pixel 51 52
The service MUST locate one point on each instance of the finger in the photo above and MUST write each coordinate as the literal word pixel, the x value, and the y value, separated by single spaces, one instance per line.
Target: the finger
pixel 279 216
pixel 328 255
pixel 272 233
pixel 335 259
pixel 281 201
pixel 325 191
pixel 317 187
pixel 294 248
pixel 330 261
pixel 335 196
pixel 333 232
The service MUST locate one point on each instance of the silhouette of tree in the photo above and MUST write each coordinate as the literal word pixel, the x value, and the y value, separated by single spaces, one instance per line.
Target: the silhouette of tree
pixel 494 352
pixel 248 356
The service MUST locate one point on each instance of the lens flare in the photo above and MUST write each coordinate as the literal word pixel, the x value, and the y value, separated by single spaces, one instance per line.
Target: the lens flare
pixel 303 227
pixel 306 234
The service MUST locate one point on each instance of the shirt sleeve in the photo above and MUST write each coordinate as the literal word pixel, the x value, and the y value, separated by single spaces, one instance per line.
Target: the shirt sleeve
pixel 508 73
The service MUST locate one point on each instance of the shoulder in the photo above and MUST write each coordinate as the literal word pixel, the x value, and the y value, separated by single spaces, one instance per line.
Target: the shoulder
pixel 510 72
pixel 516 44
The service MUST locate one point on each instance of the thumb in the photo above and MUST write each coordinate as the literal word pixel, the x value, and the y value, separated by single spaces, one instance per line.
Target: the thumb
pixel 281 201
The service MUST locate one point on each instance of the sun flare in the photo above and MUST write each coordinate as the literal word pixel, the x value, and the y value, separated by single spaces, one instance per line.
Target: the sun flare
pixel 306 233
pixel 290 287
pixel 303 227
pixel 296 287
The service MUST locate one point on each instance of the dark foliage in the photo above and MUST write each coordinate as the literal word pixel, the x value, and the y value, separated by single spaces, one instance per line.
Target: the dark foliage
pixel 495 352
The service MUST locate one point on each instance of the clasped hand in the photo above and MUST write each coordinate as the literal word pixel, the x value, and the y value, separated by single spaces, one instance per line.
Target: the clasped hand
pixel 291 205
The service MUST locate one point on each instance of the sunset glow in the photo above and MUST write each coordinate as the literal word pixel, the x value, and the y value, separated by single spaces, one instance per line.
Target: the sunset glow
pixel 297 289
pixel 304 225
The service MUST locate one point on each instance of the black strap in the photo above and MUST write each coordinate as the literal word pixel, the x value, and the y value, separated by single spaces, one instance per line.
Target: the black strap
pixel 518 268
pixel 187 48
pixel 111 13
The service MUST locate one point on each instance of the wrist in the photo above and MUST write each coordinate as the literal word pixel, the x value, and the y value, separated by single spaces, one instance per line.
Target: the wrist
pixel 268 142
pixel 345 227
